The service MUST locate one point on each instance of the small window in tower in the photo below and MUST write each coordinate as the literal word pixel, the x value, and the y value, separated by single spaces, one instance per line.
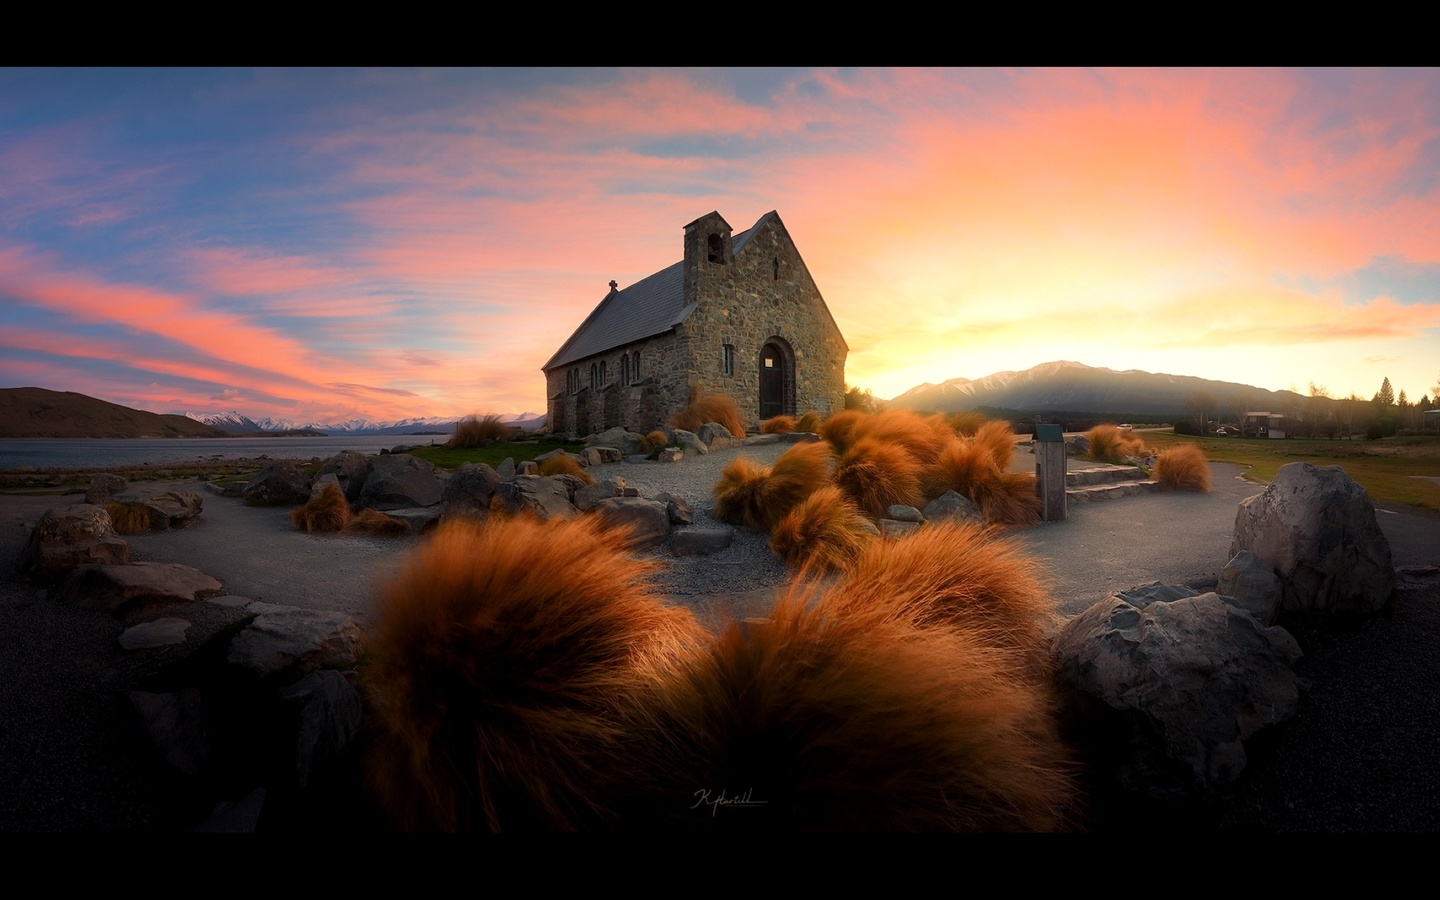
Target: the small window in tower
pixel 717 249
pixel 624 368
pixel 727 359
pixel 777 268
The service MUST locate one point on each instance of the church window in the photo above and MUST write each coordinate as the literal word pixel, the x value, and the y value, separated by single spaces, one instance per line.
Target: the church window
pixel 727 359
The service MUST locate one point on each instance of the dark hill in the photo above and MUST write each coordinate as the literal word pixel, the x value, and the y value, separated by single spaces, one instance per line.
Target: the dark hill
pixel 31 412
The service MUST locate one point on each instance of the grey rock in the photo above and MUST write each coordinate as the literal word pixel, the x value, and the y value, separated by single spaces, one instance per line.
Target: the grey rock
pixel 1253 585
pixel 627 442
pixel 647 521
pixel 691 443
pixel 799 437
pixel 157 633
pixel 322 481
pixel 328 712
pixel 350 470
pixel 1187 681
pixel 545 497
pixel 700 541
pixel 952 506
pixel 759 440
pixel 892 528
pixel 280 484
pixel 401 481
pixel 588 495
pixel 529 467
pixel 711 431
pixel 469 490
pixel 283 642
pixel 506 469
pixel 168 510
pixel 670 454
pixel 109 588
pixel 1079 445
pixel 1316 529
pixel 421 519
pixel 679 510
pixel 175 724
pixel 901 513
pixel 70 536
pixel 104 486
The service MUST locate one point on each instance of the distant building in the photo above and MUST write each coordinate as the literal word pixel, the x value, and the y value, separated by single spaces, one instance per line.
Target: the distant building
pixel 738 315
pixel 1263 424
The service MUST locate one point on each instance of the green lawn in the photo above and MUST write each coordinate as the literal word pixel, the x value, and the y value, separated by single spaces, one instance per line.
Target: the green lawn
pixel 494 454
pixel 1393 470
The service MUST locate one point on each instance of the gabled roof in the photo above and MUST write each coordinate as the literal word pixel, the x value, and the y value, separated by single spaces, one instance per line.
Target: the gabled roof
pixel 646 308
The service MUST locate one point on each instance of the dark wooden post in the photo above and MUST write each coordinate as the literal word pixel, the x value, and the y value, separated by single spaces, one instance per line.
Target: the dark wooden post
pixel 1050 466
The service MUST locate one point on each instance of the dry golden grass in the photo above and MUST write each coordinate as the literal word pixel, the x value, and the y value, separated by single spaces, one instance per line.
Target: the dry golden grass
pixel 710 408
pixel 838 430
pixel 739 493
pixel 823 532
pixel 876 475
pixel 759 496
pixel 327 511
pixel 921 438
pixel 375 522
pixel 778 425
pixel 128 518
pixel 1183 468
pixel 809 423
pixel 1112 443
pixel 966 424
pixel 565 465
pixel 962 467
pixel 999 441
pixel 507 657
pixel 653 441
pixel 477 431
pixel 855 721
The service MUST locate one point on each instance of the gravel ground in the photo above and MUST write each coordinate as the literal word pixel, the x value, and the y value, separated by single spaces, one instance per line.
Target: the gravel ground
pixel 1363 755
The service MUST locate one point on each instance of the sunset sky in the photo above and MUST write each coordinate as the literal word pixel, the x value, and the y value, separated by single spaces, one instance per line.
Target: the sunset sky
pixel 323 245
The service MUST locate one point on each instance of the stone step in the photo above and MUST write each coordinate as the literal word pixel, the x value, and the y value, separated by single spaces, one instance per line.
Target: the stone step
pixel 1103 475
pixel 1110 491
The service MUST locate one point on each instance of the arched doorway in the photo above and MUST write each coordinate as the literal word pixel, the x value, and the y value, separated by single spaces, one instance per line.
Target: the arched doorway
pixel 776 382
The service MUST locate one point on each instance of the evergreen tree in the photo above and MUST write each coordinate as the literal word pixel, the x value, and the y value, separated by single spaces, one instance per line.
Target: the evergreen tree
pixel 1386 397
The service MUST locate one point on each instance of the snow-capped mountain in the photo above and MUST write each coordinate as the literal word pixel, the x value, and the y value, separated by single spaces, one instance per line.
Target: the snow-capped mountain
pixel 238 423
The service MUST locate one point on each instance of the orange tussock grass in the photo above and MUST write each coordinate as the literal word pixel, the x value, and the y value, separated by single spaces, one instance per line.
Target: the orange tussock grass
pixel 778 425
pixel 922 438
pixel 653 441
pixel 839 429
pixel 565 465
pixel 825 532
pixel 710 408
pixel 1109 442
pixel 857 723
pixel 128 518
pixel 477 431
pixel 1183 468
pixel 961 467
pixel 505 656
pixel 808 423
pixel 877 475
pixel 998 440
pixel 961 576
pixel 1011 502
pixel 966 424
pixel 373 521
pixel 738 497
pixel 327 511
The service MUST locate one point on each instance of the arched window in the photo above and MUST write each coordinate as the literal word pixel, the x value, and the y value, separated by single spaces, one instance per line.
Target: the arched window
pixel 635 366
pixel 624 368
pixel 602 373
pixel 593 383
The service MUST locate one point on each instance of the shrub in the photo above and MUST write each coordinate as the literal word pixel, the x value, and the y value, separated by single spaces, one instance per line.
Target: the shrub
pixel 857 723
pixel 655 440
pixel 1183 468
pixel 998 440
pixel 710 408
pixel 477 431
pixel 967 423
pixel 326 511
pixel 961 467
pixel 838 430
pixel 1113 444
pixel 825 532
pixel 758 496
pixel 128 518
pixel 564 465
pixel 778 425
pixel 738 498
pixel 505 656
pixel 922 439
pixel 808 423
pixel 877 475
pixel 373 521
pixel 1012 501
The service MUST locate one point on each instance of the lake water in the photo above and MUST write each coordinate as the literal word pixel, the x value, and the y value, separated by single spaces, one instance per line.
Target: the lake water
pixel 43 453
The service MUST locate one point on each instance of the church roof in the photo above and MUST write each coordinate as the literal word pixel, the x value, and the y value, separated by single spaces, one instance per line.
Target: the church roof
pixel 650 306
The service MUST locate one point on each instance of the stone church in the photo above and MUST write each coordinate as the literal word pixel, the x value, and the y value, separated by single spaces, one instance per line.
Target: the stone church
pixel 739 315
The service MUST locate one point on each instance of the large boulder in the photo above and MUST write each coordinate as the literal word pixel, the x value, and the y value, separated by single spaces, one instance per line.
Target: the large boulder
pixel 350 470
pixel 110 588
pixel 1178 683
pixel 401 481
pixel 104 486
pixel 70 536
pixel 284 643
pixel 545 497
pixel 1253 585
pixel 279 484
pixel 627 442
pixel 1316 529
pixel 648 521
pixel 469 490
pixel 167 510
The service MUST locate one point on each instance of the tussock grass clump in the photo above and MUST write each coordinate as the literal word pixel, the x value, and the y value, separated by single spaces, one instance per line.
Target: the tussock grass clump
pixel 1112 443
pixel 564 465
pixel 710 408
pixel 839 429
pixel 876 475
pixel 506 657
pixel 326 511
pixel 759 496
pixel 861 722
pixel 962 467
pixel 477 431
pixel 1183 468
pixel 128 518
pixel 653 441
pixel 969 467
pixel 738 493
pixel 825 532
pixel 808 423
pixel 373 521
pixel 1012 501
pixel 967 423
pixel 778 425
pixel 998 440
pixel 921 438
